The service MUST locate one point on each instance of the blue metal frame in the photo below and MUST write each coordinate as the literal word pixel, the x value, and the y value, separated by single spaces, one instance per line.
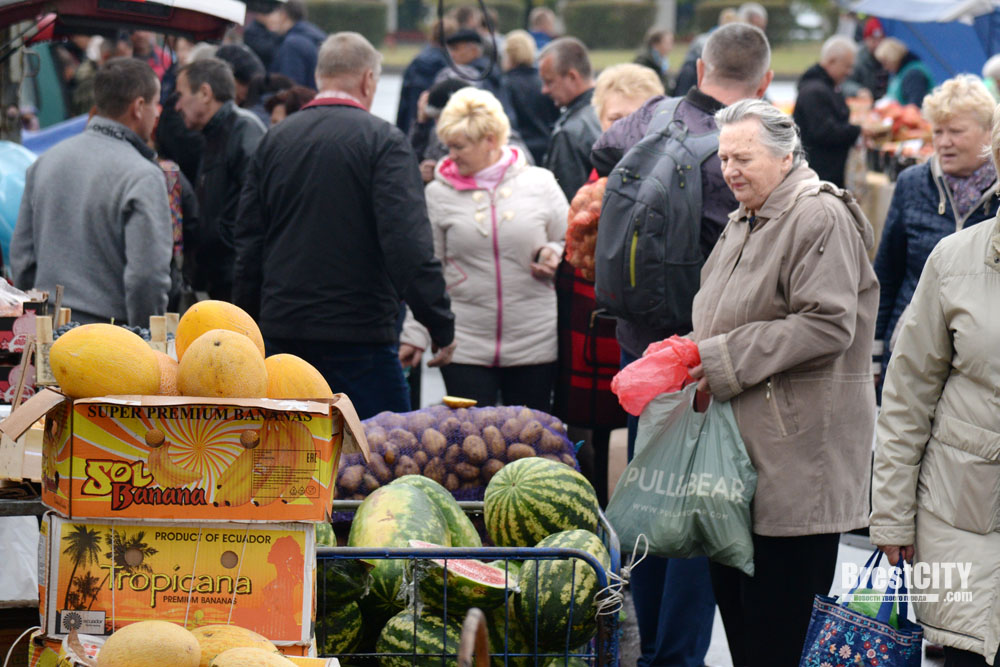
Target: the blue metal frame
pixel 607 639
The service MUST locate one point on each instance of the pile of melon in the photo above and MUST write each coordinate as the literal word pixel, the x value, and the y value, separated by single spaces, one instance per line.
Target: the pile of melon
pixel 163 644
pixel 220 354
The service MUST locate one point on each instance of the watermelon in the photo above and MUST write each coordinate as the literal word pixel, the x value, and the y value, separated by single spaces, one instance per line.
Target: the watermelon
pixel 325 536
pixel 532 498
pixel 339 630
pixel 463 533
pixel 391 516
pixel 471 583
pixel 506 637
pixel 342 580
pixel 433 637
pixel 511 567
pixel 558 585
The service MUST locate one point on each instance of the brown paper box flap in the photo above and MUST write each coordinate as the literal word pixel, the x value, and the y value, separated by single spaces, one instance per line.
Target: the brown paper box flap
pixel 280 404
pixel 26 414
pixel 354 433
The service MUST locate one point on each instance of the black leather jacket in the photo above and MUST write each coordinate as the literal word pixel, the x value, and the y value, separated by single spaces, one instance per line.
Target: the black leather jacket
pixel 574 134
pixel 231 139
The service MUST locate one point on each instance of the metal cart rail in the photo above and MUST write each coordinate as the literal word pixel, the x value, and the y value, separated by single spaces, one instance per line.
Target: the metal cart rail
pixel 602 651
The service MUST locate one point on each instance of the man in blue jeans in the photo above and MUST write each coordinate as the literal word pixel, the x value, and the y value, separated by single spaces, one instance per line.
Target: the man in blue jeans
pixel 674 603
pixel 334 233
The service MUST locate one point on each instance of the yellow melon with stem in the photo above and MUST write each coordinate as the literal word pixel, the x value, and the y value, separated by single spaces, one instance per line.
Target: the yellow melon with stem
pixel 208 315
pixel 103 360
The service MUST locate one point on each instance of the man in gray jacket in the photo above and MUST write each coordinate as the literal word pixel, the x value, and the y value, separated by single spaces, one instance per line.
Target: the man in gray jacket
pixel 94 216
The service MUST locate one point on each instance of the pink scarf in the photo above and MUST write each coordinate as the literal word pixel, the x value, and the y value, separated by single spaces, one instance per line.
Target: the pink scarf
pixel 485 179
pixel 490 177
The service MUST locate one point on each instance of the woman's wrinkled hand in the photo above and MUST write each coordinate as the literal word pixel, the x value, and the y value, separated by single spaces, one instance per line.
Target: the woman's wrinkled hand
pixel 698 373
pixel 546 263
pixel 894 554
pixel 703 393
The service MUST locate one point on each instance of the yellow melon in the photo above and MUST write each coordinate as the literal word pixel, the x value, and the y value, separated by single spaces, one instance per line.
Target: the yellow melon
pixel 222 363
pixel 150 644
pixel 207 315
pixel 289 376
pixel 215 639
pixel 250 657
pixel 168 374
pixel 103 360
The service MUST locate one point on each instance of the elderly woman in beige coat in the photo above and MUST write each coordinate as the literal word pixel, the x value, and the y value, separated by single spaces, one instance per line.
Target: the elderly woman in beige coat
pixel 936 482
pixel 784 323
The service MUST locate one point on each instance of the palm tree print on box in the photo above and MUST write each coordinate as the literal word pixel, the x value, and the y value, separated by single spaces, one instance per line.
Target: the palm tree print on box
pixel 84 548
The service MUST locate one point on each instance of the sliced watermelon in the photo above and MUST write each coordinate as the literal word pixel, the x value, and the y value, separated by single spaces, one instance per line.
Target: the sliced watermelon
pixel 471 583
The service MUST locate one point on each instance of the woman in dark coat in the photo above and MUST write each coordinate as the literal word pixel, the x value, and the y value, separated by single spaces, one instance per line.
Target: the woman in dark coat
pixel 536 113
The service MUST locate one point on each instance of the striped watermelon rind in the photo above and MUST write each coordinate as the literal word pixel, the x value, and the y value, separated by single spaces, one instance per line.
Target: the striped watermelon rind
pixel 559 585
pixel 340 629
pixel 342 580
pixel 463 533
pixel 506 637
pixel 532 498
pixel 391 516
pixel 471 583
pixel 434 636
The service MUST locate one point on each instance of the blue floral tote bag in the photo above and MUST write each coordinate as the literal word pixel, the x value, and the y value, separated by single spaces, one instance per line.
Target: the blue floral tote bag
pixel 840 636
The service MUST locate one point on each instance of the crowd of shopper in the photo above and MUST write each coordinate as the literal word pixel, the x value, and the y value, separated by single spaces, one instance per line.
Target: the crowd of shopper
pixel 368 248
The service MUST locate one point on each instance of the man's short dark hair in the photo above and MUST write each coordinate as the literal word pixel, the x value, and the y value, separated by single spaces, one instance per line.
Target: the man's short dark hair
pixel 216 73
pixel 738 53
pixel 295 10
pixel 121 81
pixel 244 62
pixel 654 36
pixel 568 53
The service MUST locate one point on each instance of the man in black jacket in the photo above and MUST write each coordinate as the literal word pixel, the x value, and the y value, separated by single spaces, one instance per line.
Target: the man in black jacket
pixel 821 112
pixel 564 67
pixel 206 91
pixel 334 233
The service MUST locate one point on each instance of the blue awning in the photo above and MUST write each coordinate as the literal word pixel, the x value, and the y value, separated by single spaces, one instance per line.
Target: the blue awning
pixel 950 37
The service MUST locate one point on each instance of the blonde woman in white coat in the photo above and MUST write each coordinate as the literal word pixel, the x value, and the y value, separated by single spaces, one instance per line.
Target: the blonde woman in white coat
pixel 498 226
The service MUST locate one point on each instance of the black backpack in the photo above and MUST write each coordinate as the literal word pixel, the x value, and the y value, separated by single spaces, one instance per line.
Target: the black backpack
pixel 648 257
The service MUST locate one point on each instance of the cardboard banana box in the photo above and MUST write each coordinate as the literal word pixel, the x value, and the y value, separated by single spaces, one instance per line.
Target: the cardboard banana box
pixel 98 576
pixel 188 458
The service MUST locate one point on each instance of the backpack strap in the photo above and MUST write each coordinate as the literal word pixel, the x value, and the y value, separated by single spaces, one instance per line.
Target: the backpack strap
pixel 663 115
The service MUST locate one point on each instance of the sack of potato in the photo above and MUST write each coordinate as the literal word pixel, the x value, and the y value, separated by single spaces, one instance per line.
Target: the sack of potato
pixel 461 448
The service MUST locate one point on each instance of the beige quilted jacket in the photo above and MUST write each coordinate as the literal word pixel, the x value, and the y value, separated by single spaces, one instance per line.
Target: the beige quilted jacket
pixel 936 480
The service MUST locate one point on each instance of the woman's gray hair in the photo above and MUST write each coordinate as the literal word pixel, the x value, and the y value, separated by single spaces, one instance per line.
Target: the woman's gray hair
pixel 778 132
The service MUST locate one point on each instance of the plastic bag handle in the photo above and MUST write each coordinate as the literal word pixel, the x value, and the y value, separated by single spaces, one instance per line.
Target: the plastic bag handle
pixel 873 562
pixel 885 610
